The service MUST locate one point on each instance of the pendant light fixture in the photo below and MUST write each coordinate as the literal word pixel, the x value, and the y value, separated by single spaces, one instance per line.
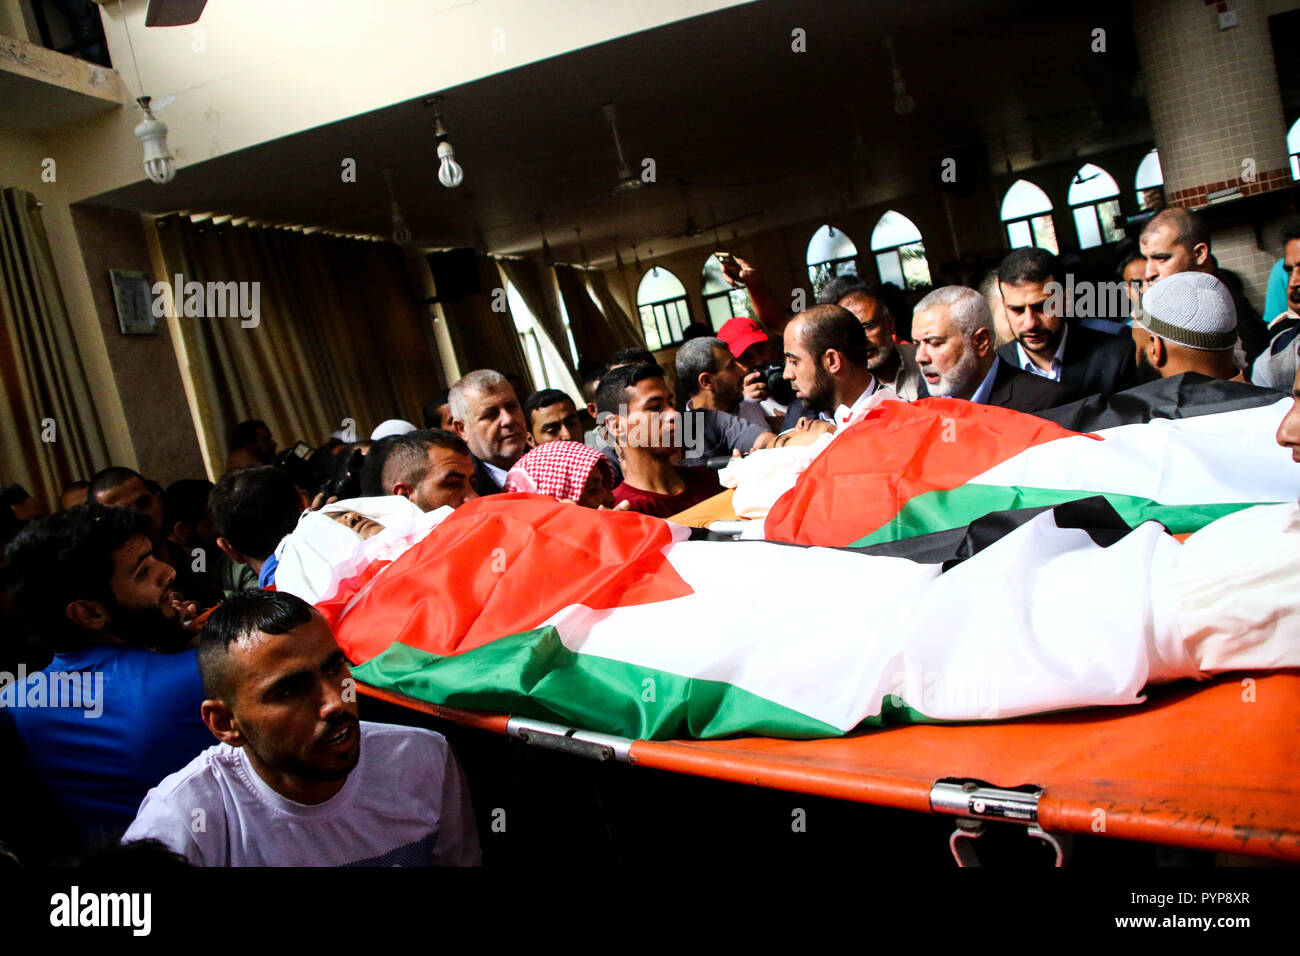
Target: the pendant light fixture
pixel 401 232
pixel 159 164
pixel 903 102
pixel 450 172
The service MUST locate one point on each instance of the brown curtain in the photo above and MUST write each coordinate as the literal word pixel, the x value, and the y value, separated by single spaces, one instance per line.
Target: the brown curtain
pixel 628 330
pixel 40 367
pixel 339 333
pixel 534 285
pixel 484 338
pixel 595 338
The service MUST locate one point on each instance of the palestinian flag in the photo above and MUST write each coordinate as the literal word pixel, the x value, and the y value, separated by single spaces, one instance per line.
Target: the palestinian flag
pixel 1183 452
pixel 615 622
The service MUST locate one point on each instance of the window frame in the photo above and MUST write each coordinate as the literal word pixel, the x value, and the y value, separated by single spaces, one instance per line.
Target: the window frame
pixel 1094 207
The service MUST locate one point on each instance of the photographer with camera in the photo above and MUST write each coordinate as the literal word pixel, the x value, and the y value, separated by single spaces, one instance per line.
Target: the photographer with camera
pixel 766 392
pixel 709 375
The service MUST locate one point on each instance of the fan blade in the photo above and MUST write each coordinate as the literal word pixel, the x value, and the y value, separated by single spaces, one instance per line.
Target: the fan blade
pixel 173 13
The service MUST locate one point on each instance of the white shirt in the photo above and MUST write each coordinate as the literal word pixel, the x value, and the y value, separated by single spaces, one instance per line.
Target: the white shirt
pixel 1054 373
pixel 845 412
pixel 498 475
pixel 404 804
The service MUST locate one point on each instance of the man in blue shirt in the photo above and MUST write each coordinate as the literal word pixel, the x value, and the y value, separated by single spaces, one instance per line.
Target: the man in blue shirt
pixel 119 706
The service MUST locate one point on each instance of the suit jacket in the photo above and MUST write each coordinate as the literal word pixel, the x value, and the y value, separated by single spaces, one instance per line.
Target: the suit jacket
pixel 482 482
pixel 1024 391
pixel 1094 363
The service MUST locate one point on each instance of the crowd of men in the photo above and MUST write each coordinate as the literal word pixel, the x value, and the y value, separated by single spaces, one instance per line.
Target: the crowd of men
pixel 217 696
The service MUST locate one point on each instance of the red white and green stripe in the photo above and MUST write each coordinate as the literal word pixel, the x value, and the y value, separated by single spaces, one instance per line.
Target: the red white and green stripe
pixel 613 623
pixel 912 469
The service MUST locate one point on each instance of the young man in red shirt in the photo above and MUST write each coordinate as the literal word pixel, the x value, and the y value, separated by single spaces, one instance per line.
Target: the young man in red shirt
pixel 647 431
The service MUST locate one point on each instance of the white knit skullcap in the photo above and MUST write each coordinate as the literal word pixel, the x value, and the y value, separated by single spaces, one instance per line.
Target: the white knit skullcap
pixel 394 426
pixel 1193 309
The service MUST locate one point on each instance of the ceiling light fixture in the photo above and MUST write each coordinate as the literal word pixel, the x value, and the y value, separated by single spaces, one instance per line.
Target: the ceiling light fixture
pixel 401 232
pixel 450 173
pixel 159 164
pixel 903 102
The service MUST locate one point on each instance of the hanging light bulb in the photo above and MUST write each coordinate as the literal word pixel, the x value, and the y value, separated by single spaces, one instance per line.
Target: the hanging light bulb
pixel 450 172
pixel 159 165
pixel 401 232
pixel 903 102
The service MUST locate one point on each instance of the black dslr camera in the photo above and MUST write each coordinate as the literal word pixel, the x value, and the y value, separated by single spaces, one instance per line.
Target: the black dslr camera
pixel 779 388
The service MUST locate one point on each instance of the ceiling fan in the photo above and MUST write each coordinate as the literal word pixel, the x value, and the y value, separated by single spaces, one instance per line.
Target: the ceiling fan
pixel 627 183
pixel 691 229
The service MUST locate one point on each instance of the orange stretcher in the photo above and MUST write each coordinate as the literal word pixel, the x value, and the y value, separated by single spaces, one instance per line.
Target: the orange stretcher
pixel 1211 766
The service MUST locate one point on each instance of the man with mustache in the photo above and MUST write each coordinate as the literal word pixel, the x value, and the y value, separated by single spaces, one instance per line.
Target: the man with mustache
pixel 954 335
pixel 1048 343
pixel 487 416
pixel 297 779
pixel 826 361
pixel 118 707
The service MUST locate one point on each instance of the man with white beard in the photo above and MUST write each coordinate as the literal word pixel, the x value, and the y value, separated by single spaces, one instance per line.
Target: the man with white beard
pixel 955 348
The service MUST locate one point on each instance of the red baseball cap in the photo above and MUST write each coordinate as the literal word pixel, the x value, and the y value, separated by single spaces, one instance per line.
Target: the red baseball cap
pixel 740 333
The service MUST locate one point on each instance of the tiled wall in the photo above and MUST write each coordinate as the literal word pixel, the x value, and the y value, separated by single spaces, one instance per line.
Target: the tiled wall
pixel 1216 112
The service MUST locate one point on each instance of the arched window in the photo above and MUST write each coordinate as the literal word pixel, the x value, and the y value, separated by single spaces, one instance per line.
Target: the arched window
pixel 665 313
pixel 1293 147
pixel 721 301
pixel 544 362
pixel 1027 213
pixel 1150 181
pixel 1093 199
pixel 830 253
pixel 900 253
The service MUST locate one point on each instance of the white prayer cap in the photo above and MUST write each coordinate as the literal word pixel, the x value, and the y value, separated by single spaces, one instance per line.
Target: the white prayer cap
pixel 394 426
pixel 1193 309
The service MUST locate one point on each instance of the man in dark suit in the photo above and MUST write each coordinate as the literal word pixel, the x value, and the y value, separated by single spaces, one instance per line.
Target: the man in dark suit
pixel 1083 360
pixel 487 416
pixel 953 328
